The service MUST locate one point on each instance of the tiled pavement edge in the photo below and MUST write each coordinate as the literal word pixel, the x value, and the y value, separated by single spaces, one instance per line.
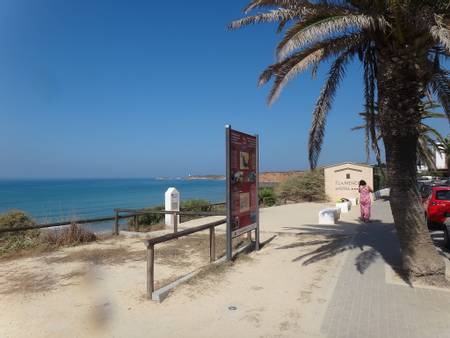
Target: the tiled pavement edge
pixel 364 305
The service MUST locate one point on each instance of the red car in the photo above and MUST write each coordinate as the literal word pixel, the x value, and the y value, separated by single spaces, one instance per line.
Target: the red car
pixel 436 204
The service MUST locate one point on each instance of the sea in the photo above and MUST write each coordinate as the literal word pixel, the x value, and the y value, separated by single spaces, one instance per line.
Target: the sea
pixel 57 200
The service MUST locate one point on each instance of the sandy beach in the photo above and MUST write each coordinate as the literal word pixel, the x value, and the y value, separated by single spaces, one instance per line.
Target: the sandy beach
pixel 99 289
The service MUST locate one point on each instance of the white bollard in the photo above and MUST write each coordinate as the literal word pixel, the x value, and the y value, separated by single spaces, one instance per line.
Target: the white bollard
pixel 172 203
pixel 344 206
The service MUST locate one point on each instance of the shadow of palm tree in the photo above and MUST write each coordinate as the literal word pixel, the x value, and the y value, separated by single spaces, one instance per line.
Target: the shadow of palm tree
pixel 375 240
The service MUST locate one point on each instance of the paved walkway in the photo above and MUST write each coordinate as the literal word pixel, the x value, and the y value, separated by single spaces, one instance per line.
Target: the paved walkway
pixel 365 301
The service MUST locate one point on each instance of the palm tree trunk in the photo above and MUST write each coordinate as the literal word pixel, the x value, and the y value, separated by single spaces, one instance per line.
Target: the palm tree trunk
pixel 400 89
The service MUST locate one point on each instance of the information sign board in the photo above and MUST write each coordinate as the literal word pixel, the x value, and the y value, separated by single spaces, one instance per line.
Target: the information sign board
pixel 242 183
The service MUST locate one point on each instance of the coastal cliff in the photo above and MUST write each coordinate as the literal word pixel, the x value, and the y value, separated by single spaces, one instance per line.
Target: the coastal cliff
pixel 264 177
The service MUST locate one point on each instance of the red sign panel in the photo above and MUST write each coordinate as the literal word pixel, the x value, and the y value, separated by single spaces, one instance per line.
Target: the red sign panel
pixel 243 173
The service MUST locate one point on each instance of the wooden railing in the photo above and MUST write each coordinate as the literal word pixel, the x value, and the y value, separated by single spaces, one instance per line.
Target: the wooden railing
pixel 150 245
pixel 129 213
pixel 58 224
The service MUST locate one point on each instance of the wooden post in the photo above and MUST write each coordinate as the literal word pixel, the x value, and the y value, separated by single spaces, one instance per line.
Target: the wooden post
pixel 175 224
pixel 212 244
pixel 150 270
pixel 257 192
pixel 116 223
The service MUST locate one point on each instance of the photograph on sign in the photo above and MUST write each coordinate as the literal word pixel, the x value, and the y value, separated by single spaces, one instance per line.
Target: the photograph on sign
pixel 244 160
pixel 244 202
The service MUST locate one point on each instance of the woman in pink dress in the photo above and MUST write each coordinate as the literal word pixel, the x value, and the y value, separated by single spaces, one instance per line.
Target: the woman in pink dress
pixel 364 200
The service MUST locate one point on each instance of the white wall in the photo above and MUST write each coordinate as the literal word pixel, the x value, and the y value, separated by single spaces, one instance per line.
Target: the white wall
pixel 440 160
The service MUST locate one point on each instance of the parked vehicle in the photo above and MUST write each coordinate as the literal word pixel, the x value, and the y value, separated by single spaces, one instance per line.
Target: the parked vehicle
pixel 446 228
pixel 436 203
pixel 424 190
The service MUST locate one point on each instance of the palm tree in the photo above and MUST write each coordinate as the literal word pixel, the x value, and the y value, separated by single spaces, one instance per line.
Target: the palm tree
pixel 429 141
pixel 400 44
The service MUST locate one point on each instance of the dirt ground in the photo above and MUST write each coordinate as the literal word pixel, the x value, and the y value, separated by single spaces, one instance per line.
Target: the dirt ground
pixel 98 290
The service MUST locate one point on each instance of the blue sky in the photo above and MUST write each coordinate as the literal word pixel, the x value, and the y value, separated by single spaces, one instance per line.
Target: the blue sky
pixel 115 88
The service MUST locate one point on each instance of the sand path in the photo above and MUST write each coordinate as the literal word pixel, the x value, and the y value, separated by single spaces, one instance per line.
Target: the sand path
pixel 99 289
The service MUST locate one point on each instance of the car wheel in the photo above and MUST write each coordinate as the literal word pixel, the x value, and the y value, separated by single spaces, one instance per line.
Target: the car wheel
pixel 446 238
pixel 429 222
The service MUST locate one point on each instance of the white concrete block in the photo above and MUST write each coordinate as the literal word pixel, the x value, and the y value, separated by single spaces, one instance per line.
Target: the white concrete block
pixel 344 206
pixel 382 193
pixel 327 216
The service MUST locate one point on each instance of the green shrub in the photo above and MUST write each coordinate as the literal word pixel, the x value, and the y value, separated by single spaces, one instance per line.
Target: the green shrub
pixel 199 205
pixel 309 186
pixel 13 241
pixel 195 205
pixel 267 196
pixel 147 220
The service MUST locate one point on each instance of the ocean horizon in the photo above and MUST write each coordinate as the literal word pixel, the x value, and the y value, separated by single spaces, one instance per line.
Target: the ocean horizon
pixel 53 200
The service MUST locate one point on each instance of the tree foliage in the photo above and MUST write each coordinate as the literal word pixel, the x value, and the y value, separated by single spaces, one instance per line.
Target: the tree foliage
pixel 429 141
pixel 401 45
pixel 316 32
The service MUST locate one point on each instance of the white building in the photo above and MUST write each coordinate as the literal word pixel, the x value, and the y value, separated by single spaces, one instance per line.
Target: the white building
pixel 440 162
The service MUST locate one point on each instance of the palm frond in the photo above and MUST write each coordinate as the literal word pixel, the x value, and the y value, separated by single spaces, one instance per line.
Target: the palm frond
pixel 323 106
pixel 275 15
pixel 427 130
pixel 425 154
pixel 307 21
pixel 284 71
pixel 313 30
pixel 358 128
pixel 282 24
pixel 432 115
pixel 367 141
pixel 287 4
pixel 370 116
pixel 441 87
pixel 282 79
pixel 442 35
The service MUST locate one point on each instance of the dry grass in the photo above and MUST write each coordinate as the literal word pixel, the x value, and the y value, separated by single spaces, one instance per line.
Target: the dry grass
pixel 30 243
pixel 26 282
pixel 72 235
pixel 99 256
pixel 174 253
pixel 188 251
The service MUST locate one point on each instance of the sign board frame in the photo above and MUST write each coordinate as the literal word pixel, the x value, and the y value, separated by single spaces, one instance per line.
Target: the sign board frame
pixel 235 181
